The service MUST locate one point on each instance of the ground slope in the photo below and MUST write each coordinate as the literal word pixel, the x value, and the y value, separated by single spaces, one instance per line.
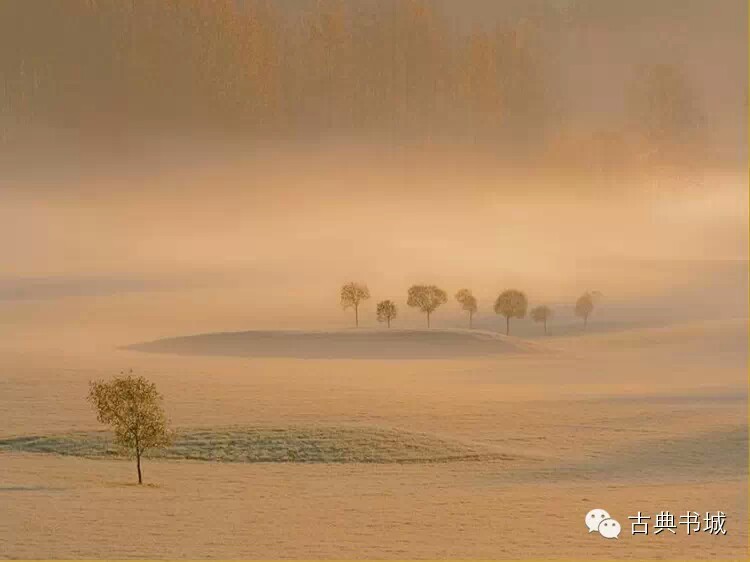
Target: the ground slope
pixel 344 344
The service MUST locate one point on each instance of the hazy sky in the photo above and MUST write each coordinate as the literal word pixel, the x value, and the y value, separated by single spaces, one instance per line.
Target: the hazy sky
pixel 289 218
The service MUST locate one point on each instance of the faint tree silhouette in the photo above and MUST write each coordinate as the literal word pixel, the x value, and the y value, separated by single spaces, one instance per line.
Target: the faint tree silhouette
pixel 468 303
pixel 666 110
pixel 541 314
pixel 585 305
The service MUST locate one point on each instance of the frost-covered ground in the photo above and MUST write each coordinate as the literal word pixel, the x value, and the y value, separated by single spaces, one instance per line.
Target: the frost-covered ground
pixel 648 420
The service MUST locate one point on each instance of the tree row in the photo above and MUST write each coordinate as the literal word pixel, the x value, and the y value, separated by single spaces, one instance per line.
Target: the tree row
pixel 511 304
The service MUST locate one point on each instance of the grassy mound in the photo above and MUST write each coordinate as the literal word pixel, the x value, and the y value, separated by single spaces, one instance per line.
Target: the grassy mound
pixel 291 444
pixel 343 344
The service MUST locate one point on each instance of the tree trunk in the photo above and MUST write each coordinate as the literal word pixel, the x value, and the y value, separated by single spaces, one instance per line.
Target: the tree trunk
pixel 471 317
pixel 356 316
pixel 389 322
pixel 428 320
pixel 545 326
pixel 507 325
pixel 138 464
pixel 585 321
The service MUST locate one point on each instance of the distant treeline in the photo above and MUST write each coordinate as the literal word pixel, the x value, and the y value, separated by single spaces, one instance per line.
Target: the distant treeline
pixel 510 304
pixel 265 68
pixel 259 65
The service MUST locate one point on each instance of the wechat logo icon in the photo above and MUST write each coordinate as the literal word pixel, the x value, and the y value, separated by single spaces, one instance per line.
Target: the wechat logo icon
pixel 599 520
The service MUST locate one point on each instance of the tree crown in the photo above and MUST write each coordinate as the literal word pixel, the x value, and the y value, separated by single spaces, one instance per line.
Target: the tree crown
pixel 467 301
pixel 511 304
pixel 386 310
pixel 541 313
pixel 426 297
pixel 132 406
pixel 354 293
pixel 585 304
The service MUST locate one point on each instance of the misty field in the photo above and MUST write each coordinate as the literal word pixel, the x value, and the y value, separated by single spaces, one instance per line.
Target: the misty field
pixel 478 456
pixel 382 279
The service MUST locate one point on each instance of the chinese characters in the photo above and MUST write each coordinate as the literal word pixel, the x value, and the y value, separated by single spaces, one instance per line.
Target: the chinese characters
pixel 664 521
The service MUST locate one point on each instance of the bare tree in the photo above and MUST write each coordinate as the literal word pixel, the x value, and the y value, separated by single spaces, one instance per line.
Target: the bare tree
pixel 541 314
pixel 511 304
pixel 468 303
pixel 133 408
pixel 386 311
pixel 352 294
pixel 426 298
pixel 585 305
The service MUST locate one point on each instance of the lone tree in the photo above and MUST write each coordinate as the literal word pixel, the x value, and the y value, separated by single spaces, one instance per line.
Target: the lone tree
pixel 468 303
pixel 426 298
pixel 511 304
pixel 585 305
pixel 352 294
pixel 541 314
pixel 133 408
pixel 387 311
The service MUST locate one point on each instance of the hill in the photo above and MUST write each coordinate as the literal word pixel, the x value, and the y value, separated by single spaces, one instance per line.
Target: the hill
pixel 344 344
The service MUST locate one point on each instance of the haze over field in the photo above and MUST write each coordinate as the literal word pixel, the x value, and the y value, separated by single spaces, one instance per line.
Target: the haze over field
pixel 186 186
